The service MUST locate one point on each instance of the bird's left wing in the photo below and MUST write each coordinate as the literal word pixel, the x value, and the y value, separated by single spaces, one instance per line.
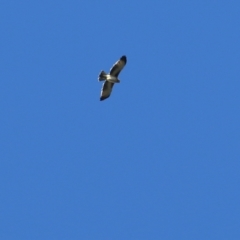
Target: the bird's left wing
pixel 106 90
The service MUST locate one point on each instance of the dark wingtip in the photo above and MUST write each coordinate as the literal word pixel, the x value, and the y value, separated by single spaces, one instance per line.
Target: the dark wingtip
pixel 103 98
pixel 124 58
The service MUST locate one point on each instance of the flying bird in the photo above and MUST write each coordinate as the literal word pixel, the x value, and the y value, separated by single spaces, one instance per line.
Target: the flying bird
pixel 111 77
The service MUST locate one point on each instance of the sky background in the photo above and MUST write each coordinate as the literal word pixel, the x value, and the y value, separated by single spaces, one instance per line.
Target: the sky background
pixel 159 159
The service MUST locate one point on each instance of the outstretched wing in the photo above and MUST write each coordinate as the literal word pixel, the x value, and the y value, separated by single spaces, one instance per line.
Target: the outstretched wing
pixel 118 66
pixel 106 90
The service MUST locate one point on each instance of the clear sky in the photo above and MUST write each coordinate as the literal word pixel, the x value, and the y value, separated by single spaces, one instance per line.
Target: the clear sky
pixel 159 159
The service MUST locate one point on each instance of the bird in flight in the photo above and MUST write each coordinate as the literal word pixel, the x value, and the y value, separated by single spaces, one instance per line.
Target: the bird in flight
pixel 111 78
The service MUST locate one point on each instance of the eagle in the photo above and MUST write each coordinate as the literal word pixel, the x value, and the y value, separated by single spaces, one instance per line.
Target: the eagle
pixel 111 77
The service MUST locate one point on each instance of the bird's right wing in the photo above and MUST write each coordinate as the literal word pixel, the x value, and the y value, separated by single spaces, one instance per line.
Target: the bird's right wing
pixel 118 66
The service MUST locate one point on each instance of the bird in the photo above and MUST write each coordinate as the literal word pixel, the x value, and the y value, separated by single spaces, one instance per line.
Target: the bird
pixel 111 78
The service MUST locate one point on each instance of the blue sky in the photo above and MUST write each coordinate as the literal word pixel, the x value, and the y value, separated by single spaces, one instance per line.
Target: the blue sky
pixel 159 159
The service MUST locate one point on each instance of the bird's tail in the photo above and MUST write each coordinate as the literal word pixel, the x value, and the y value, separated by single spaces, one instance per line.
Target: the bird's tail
pixel 102 76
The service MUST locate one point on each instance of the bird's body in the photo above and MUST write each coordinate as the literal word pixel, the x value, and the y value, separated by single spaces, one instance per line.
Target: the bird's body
pixel 111 78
